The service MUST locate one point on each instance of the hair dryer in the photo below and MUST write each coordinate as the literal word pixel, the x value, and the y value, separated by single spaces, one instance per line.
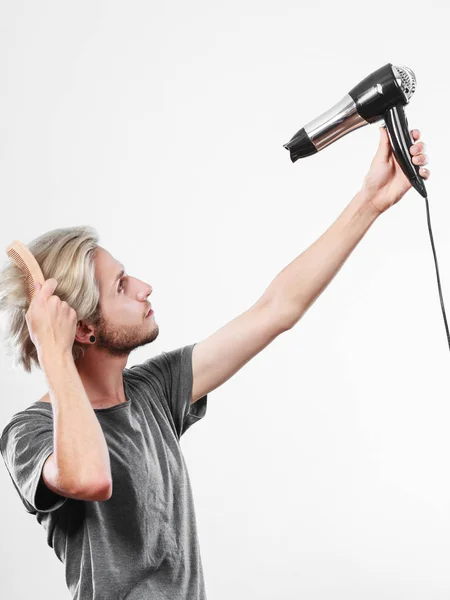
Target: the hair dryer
pixel 381 95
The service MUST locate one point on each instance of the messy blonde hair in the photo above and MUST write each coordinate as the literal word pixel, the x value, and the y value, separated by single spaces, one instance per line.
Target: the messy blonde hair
pixel 67 254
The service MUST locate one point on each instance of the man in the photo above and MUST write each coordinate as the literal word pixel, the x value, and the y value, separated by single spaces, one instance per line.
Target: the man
pixel 98 459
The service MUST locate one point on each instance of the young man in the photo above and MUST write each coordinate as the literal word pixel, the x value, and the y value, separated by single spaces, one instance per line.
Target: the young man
pixel 98 458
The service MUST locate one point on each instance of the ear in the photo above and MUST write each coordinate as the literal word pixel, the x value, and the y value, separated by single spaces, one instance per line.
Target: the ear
pixel 83 332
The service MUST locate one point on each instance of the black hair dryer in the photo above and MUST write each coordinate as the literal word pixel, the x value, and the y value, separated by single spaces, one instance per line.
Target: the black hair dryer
pixel 381 95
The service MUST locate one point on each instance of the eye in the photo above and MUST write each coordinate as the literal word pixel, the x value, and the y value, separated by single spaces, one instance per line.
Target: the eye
pixel 120 284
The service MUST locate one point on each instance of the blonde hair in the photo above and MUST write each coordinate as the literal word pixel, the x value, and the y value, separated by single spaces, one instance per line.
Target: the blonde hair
pixel 67 254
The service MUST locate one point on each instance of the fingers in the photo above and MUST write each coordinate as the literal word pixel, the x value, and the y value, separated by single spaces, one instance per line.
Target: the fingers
pixel 47 288
pixel 420 159
pixel 417 148
pixel 418 155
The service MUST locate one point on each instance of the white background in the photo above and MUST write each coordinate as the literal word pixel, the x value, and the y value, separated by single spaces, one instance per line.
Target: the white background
pixel 321 468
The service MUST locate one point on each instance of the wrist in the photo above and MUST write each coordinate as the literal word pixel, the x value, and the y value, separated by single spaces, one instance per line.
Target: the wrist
pixel 49 355
pixel 365 201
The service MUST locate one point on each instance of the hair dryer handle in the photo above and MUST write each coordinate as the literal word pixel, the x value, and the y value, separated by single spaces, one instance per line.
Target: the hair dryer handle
pixel 401 142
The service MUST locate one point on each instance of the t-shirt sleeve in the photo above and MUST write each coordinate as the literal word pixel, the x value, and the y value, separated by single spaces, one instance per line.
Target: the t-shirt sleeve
pixel 25 444
pixel 173 370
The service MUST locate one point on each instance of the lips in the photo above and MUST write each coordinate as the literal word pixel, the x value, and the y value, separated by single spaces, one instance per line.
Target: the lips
pixel 148 312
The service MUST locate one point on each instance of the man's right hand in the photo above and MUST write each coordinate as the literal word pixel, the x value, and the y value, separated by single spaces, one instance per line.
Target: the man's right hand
pixel 51 322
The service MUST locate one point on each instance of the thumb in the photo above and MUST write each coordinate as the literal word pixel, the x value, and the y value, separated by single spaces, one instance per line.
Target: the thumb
pixel 384 147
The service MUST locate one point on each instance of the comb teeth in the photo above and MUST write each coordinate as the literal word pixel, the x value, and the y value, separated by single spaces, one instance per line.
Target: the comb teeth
pixel 28 264
pixel 21 264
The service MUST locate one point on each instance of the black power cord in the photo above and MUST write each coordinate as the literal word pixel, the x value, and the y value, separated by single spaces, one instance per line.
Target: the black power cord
pixel 437 270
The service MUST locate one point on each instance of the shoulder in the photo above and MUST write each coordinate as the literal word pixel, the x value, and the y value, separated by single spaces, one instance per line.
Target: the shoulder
pixel 36 417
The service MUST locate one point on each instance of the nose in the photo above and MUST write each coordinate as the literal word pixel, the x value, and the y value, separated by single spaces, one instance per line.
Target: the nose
pixel 148 291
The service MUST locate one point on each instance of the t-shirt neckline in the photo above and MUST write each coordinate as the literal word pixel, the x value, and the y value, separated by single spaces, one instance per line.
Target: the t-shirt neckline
pixel 128 400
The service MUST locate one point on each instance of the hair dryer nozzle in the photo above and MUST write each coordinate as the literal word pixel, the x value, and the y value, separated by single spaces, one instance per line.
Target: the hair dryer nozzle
pixel 300 145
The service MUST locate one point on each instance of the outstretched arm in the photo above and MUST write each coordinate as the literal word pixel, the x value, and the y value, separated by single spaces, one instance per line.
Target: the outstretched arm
pixel 219 356
pixel 297 286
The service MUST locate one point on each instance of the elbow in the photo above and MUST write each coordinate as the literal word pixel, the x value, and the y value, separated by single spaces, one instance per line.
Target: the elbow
pixel 101 490
pixel 287 316
pixel 98 490
pixel 290 315
pixel 283 316
pixel 104 492
pixel 290 320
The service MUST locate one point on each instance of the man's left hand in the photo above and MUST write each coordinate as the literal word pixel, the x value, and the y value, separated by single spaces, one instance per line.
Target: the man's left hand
pixel 385 183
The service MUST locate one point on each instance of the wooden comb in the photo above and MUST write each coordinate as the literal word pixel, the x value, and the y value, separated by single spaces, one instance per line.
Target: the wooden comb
pixel 20 254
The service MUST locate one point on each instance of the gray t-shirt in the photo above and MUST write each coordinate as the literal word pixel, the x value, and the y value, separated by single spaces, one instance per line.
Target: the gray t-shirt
pixel 142 543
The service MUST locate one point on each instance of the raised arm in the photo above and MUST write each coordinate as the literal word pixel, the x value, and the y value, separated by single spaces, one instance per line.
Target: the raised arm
pixel 218 357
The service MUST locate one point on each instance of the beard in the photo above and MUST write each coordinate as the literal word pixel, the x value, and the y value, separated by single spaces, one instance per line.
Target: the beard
pixel 120 341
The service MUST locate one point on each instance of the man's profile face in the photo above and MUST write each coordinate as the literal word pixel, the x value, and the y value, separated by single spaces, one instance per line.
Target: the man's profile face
pixel 124 304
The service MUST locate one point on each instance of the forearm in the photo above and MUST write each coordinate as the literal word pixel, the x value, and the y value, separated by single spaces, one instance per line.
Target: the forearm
pixel 299 284
pixel 80 449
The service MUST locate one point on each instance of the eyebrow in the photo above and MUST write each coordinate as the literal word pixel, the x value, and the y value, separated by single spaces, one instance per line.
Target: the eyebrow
pixel 118 276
